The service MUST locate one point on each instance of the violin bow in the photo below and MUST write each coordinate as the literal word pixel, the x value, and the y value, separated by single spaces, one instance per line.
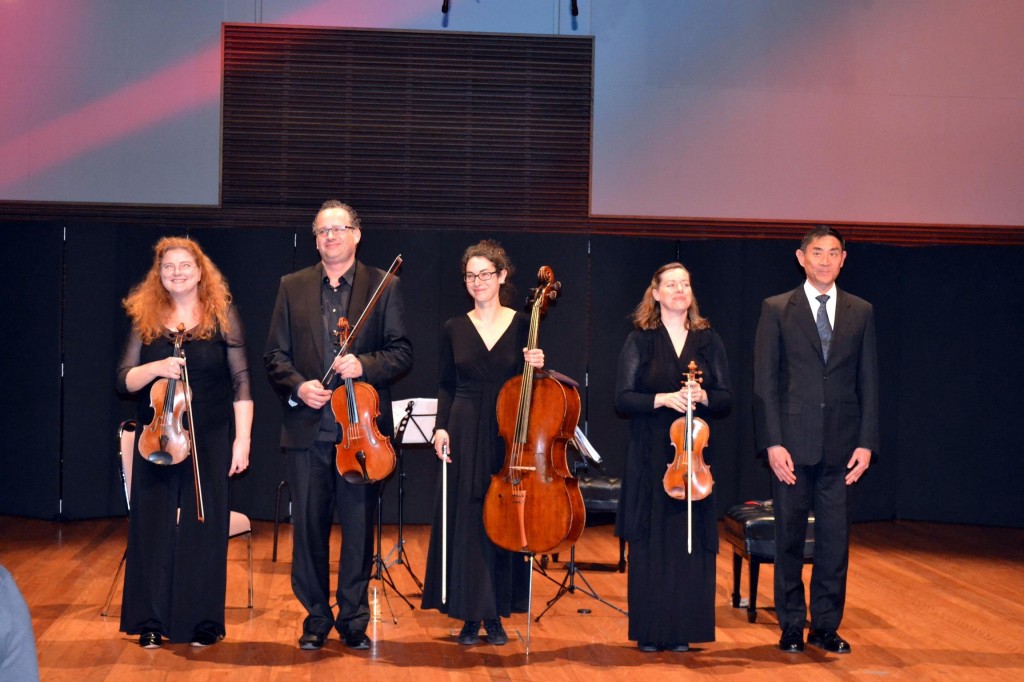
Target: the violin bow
pixel 200 509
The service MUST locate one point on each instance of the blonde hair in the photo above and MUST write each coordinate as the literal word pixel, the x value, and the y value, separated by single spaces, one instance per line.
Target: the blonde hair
pixel 148 304
pixel 647 314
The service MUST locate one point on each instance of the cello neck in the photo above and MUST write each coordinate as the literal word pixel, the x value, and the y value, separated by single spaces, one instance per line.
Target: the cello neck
pixel 526 392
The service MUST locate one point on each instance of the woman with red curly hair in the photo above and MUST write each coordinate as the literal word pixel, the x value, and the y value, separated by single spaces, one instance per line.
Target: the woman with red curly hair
pixel 177 567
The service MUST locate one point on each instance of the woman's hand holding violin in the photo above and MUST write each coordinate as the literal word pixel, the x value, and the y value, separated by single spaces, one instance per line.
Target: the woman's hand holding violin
pixel 168 368
pixel 690 393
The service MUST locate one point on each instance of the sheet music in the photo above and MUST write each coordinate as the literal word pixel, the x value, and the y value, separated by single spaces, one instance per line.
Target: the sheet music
pixel 420 413
pixel 585 448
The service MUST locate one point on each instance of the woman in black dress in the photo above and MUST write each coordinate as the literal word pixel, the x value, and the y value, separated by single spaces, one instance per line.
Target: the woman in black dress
pixel 176 566
pixel 671 593
pixel 479 352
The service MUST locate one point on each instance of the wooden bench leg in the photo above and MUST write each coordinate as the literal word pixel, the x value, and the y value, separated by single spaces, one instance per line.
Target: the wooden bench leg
pixel 755 567
pixel 277 514
pixel 737 571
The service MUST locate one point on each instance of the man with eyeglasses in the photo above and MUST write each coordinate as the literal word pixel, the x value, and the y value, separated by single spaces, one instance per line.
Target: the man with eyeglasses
pixel 300 349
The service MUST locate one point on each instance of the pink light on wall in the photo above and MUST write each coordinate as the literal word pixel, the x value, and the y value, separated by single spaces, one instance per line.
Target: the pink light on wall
pixel 137 106
pixel 143 104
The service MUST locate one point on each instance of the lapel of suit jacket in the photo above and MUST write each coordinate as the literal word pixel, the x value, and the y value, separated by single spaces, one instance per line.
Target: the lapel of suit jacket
pixel 360 296
pixel 844 323
pixel 802 312
pixel 312 298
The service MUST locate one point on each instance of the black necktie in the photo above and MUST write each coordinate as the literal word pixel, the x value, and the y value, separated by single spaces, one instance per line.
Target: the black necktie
pixel 824 328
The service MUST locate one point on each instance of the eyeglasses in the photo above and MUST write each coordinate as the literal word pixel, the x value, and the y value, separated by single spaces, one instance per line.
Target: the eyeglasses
pixel 484 276
pixel 183 268
pixel 333 231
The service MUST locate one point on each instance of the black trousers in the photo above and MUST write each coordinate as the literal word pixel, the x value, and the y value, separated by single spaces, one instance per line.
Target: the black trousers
pixel 316 488
pixel 822 487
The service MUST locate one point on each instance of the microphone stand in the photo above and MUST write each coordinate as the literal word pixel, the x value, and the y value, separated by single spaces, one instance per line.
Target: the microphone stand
pixel 568 584
pixel 398 551
pixel 380 567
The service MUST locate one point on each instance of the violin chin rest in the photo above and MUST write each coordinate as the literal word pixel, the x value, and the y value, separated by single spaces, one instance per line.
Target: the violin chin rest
pixel 677 493
pixel 160 457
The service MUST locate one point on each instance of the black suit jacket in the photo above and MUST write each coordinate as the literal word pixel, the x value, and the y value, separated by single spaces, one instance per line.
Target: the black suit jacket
pixel 294 352
pixel 811 407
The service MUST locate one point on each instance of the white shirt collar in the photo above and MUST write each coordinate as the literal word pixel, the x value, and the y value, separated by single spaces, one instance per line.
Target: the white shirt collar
pixel 830 305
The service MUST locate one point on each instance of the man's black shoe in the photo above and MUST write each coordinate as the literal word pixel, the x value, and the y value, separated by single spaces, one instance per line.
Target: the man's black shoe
pixel 792 641
pixel 204 638
pixel 647 647
pixel 829 640
pixel 150 639
pixel 311 640
pixel 357 640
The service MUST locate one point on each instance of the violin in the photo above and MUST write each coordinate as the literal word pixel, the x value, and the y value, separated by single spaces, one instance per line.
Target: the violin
pixel 534 504
pixel 170 437
pixel 364 455
pixel 688 477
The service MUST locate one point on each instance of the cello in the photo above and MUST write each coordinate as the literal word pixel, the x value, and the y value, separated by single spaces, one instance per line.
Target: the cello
pixel 167 439
pixel 534 504
pixel 364 454
pixel 688 477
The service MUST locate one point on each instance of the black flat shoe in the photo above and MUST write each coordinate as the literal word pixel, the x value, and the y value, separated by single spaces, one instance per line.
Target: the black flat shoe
pixel 150 639
pixel 470 633
pixel 677 647
pixel 792 641
pixel 311 641
pixel 829 640
pixel 201 638
pixel 357 640
pixel 495 632
pixel 647 647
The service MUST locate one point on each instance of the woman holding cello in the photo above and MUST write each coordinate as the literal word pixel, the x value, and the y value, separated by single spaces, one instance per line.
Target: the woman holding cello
pixel 479 352
pixel 670 590
pixel 176 570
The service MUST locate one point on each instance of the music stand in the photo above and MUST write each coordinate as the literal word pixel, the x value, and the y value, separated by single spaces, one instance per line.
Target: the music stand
pixel 568 584
pixel 415 426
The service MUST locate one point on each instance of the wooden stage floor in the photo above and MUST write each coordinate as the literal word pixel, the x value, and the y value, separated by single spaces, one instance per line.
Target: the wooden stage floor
pixel 925 601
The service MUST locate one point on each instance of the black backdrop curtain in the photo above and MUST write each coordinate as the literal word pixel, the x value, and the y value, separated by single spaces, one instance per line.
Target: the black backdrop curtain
pixel 948 327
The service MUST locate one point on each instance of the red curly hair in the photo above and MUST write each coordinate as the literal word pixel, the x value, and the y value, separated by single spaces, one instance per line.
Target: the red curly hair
pixel 149 305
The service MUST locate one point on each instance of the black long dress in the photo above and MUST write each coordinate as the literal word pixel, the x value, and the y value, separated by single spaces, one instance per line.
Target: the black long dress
pixel 176 570
pixel 670 592
pixel 484 581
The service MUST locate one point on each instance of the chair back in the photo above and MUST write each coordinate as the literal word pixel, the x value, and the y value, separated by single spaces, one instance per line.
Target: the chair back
pixel 125 451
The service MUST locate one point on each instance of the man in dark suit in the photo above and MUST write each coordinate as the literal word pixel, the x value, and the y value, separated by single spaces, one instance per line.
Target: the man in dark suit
pixel 816 415
pixel 301 348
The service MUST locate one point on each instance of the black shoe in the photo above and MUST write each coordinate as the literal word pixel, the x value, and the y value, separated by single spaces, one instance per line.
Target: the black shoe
pixel 150 639
pixel 495 633
pixel 311 641
pixel 356 640
pixel 204 638
pixel 647 647
pixel 792 641
pixel 470 633
pixel 677 647
pixel 829 640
